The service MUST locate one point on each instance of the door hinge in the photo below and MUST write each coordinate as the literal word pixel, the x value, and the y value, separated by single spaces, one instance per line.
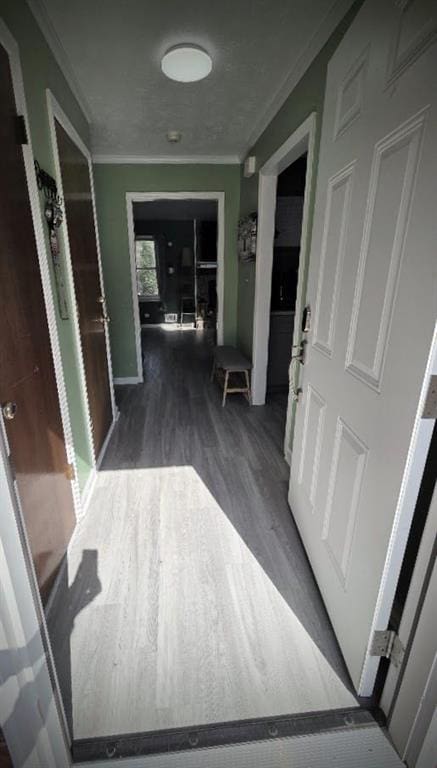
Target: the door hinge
pixel 21 130
pixel 387 644
pixel 430 406
pixel 69 472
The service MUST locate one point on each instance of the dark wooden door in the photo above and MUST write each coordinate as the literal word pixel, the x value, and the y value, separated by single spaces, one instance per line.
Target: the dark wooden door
pixel 83 248
pixel 27 376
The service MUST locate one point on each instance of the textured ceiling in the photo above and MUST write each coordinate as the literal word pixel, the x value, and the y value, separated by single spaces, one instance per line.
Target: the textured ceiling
pixel 114 50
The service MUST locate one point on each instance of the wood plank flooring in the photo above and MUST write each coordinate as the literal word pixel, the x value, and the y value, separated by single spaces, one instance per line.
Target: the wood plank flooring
pixel 188 598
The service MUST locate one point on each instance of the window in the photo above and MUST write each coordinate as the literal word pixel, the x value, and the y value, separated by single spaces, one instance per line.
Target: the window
pixel 147 268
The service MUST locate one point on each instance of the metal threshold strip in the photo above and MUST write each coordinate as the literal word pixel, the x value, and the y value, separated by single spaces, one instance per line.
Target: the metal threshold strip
pixel 221 734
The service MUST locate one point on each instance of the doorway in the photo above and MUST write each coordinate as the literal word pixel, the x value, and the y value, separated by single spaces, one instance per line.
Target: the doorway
pixel 179 281
pixel 290 193
pixel 176 263
pixel 31 414
pixel 270 283
pixel 84 271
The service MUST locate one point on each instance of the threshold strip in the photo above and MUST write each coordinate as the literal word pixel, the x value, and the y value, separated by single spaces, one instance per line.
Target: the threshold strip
pixel 220 734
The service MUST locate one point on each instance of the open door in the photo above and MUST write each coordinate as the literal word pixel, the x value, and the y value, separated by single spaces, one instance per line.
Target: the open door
pixel 372 292
pixel 28 393
pixel 88 286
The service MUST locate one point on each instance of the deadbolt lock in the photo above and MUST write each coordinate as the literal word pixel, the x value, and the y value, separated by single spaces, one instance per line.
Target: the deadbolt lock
pixel 9 411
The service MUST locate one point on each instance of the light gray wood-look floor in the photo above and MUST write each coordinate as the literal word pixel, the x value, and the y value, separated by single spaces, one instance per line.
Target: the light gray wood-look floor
pixel 188 597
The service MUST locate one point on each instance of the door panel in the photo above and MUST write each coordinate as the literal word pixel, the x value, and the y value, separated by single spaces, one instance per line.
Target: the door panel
pixel 373 284
pixel 88 290
pixel 27 376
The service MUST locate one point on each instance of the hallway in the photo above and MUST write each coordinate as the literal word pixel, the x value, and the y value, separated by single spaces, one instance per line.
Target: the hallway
pixel 189 598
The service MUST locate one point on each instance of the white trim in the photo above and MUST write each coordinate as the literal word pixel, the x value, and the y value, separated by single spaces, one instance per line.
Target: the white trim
pixel 139 197
pixel 88 490
pixel 305 59
pixel 167 159
pixel 417 455
pixel 120 382
pixel 134 294
pixel 42 18
pixel 301 140
pixel 106 441
pixel 55 112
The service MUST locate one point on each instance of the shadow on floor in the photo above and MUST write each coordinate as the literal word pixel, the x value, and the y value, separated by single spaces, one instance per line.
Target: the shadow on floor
pixel 68 601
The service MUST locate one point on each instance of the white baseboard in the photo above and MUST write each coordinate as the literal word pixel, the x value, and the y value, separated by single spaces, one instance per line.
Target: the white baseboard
pixel 87 491
pixel 106 442
pixel 128 380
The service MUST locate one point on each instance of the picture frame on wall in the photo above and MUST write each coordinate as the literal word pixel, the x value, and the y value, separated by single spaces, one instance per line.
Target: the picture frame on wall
pixel 247 233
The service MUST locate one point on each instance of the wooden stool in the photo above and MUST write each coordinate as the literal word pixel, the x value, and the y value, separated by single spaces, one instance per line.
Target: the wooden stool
pixel 229 360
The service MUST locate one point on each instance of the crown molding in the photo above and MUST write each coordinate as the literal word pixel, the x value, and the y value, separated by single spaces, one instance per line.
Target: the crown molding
pixel 42 18
pixel 315 45
pixel 166 159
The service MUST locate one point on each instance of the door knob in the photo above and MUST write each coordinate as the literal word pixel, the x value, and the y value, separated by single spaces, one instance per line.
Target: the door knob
pixel 9 410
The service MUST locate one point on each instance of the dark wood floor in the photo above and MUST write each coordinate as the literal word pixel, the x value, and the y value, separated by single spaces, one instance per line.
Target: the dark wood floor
pixel 188 597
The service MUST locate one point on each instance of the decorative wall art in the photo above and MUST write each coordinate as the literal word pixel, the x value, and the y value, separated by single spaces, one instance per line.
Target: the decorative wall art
pixel 247 230
pixel 53 215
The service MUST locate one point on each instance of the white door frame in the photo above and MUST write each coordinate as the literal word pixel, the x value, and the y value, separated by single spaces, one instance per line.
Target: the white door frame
pixel 301 140
pixel 410 690
pixel 141 197
pixel 55 112
pixel 409 491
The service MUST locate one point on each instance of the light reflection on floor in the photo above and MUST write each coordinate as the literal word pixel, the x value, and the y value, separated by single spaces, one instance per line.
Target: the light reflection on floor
pixel 188 626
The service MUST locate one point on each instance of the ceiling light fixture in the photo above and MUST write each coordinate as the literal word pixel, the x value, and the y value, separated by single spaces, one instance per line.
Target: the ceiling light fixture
pixel 174 136
pixel 186 63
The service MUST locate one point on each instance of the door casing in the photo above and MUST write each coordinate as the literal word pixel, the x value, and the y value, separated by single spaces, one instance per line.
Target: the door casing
pixel 55 112
pixel 141 197
pixel 300 141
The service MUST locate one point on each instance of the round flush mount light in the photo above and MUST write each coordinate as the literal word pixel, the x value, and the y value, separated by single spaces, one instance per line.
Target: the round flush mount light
pixel 186 63
pixel 174 136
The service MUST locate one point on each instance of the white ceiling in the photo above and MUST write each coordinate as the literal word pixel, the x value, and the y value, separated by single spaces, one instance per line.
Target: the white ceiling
pixel 111 51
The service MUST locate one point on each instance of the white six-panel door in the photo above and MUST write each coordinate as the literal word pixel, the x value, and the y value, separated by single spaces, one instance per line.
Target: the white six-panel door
pixel 373 295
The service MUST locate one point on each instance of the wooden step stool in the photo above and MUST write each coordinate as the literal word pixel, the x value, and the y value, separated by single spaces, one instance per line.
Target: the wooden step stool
pixel 230 360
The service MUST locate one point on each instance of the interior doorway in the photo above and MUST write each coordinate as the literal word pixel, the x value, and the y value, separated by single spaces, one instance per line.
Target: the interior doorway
pixel 270 283
pixel 85 278
pixel 176 245
pixel 31 419
pixel 290 193
pixel 176 263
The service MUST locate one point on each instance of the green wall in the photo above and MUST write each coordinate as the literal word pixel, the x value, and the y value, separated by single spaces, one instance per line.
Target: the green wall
pixel 306 97
pixel 111 184
pixel 40 71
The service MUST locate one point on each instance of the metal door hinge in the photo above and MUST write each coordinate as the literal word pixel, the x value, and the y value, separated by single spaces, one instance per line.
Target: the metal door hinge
pixel 70 473
pixel 20 130
pixel 386 643
pixel 430 407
